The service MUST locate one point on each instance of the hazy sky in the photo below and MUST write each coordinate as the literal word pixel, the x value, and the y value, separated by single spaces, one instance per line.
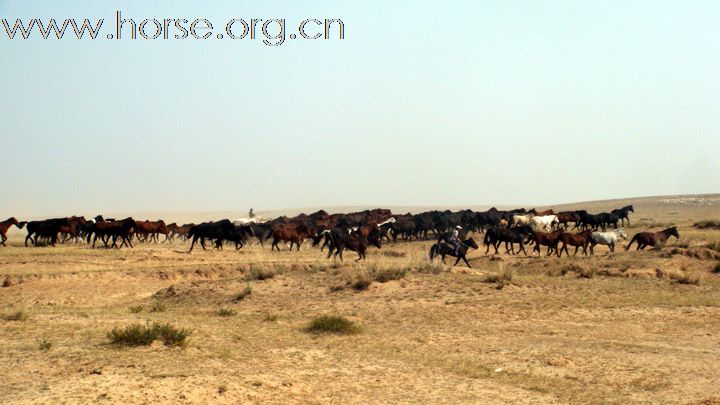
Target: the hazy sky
pixel 422 103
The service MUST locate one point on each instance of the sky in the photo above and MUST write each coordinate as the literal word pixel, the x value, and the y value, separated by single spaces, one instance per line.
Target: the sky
pixel 422 103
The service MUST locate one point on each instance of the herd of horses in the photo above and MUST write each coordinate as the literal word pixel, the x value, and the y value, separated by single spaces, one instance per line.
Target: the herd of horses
pixel 357 231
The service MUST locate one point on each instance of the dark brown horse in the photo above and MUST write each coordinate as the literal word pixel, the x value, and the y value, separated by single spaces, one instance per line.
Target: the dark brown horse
pixel 123 229
pixel 338 240
pixel 645 239
pixel 5 225
pixel 566 217
pixel 549 239
pixel 579 240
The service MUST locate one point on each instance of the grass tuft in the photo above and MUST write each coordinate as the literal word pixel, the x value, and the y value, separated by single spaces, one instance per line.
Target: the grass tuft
pixel 502 278
pixel 244 293
pixel 143 335
pixel 136 309
pixel 688 279
pixel 260 273
pixel 158 307
pixel 430 267
pixel 333 324
pixel 19 315
pixel 385 274
pixel 270 317
pixel 44 345
pixel 361 281
pixel 226 312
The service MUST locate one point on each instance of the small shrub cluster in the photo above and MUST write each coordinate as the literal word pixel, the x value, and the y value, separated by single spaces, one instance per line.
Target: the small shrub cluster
pixel 361 281
pixel 688 279
pixel 44 345
pixel 333 324
pixel 709 224
pixel 385 274
pixel 430 267
pixel 143 335
pixel 244 293
pixel 502 278
pixel 717 268
pixel 226 312
pixel 158 307
pixel 270 317
pixel 260 273
pixel 136 309
pixel 18 315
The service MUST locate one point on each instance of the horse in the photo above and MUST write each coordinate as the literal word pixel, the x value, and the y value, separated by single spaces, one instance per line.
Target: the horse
pixel 549 239
pixel 292 232
pixel 5 225
pixel 645 239
pixel 338 240
pixel 606 238
pixel 623 214
pixel 520 219
pixel 123 229
pixel 443 249
pixel 151 229
pixel 47 229
pixel 545 223
pixel 494 236
pixel 578 240
pixel 567 216
pixel 219 231
pixel 542 213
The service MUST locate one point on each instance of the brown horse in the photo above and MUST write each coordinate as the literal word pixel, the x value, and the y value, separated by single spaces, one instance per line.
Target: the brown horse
pixel 292 232
pixel 578 240
pixel 123 229
pixel 542 213
pixel 151 229
pixel 5 225
pixel 645 239
pixel 549 239
pixel 567 216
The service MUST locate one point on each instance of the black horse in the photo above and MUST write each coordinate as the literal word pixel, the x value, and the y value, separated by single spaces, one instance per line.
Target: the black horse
pixel 495 235
pixel 622 213
pixel 443 249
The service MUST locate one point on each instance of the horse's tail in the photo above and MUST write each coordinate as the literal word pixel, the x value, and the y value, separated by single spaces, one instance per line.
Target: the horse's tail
pixel 433 251
pixel 634 239
pixel 486 239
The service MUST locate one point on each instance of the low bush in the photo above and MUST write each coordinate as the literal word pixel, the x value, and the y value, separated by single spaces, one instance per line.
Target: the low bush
pixel 19 315
pixel 226 312
pixel 143 335
pixel 136 309
pixel 333 324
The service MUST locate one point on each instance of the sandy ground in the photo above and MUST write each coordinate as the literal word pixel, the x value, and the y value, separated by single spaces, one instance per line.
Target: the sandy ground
pixel 626 331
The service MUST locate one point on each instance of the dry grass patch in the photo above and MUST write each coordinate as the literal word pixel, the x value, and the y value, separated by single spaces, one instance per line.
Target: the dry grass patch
pixel 44 345
pixel 430 267
pixel 136 309
pixel 158 307
pixel 383 274
pixel 333 324
pixel 707 224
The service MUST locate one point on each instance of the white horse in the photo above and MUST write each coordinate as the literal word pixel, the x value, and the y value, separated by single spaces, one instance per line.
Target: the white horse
pixel 521 219
pixel 607 238
pixel 545 223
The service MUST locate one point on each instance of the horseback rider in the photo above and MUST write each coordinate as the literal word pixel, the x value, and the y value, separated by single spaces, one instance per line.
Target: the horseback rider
pixel 454 240
pixel 251 214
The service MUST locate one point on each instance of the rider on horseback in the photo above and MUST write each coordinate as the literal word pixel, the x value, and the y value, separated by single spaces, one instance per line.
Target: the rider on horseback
pixel 454 239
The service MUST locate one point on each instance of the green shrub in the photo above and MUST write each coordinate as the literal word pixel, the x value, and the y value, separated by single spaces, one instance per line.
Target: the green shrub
pixel 333 324
pixel 226 312
pixel 143 335
pixel 44 345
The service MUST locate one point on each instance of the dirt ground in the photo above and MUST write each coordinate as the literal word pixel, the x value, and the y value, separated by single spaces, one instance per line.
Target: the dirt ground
pixel 612 328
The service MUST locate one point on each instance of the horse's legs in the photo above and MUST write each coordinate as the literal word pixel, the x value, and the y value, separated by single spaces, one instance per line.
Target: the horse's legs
pixel 592 246
pixel 611 246
pixel 457 261
pixel 576 249
pixel 466 262
pixel 192 245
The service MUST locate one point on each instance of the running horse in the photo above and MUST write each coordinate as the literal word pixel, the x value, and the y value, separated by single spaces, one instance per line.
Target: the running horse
pixel 443 249
pixel 645 239
pixel 579 240
pixel 5 225
pixel 622 213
